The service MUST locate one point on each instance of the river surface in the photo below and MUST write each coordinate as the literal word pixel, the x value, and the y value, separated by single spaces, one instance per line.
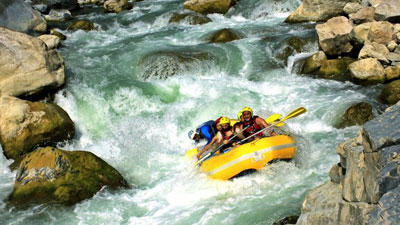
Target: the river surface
pixel 139 126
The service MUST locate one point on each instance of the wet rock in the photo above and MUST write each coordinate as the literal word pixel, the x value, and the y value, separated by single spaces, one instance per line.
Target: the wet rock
pixel 334 36
pixel 161 65
pixel 224 35
pixel 287 220
pixel 117 6
pixel 374 50
pixel 392 72
pixel 25 125
pixel 357 114
pixel 352 7
pixel 82 25
pixel 391 93
pixel 51 175
pixel 58 4
pixel 335 69
pixel 291 46
pixel 27 66
pixel 58 15
pixel 367 71
pixel 388 10
pixel 364 15
pixel 192 19
pixel 310 10
pixel 19 16
pixel 313 63
pixel 208 6
pixel 58 34
pixel 381 32
pixel 52 41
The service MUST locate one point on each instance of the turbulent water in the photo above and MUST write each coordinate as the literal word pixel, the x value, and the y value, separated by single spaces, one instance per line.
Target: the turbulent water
pixel 140 126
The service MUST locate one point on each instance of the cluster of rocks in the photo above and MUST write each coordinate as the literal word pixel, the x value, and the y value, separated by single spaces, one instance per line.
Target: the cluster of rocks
pixel 31 68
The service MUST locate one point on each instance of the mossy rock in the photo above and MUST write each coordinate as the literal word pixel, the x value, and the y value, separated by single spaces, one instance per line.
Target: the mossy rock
pixel 224 35
pixel 357 114
pixel 391 93
pixel 82 25
pixel 332 69
pixel 192 19
pixel 313 63
pixel 67 177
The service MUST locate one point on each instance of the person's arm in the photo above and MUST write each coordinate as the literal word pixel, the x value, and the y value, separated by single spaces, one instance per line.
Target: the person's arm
pixel 238 130
pixel 206 131
pixel 260 121
pixel 215 139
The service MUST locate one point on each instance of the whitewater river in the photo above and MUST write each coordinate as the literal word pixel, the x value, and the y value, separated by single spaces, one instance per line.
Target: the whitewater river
pixel 140 126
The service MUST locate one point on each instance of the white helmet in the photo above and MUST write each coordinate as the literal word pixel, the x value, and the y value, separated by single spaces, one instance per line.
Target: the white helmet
pixel 191 134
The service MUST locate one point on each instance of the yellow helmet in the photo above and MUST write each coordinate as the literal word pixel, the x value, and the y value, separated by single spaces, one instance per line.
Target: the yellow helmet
pixel 224 120
pixel 239 115
pixel 247 109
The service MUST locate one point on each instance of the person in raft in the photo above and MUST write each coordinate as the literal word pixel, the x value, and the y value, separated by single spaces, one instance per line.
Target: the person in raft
pixel 206 130
pixel 254 123
pixel 222 136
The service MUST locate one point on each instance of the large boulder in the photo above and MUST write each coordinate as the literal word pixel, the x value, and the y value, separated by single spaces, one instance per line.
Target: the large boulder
pixel 117 6
pixel 27 67
pixel 334 36
pixel 332 69
pixel 364 15
pixel 224 35
pixel 314 62
pixel 161 65
pixel 25 125
pixel 391 93
pixel 367 71
pixel 58 4
pixel 317 10
pixel 209 6
pixel 51 175
pixel 388 10
pixel 357 114
pixel 374 50
pixel 379 32
pixel 19 16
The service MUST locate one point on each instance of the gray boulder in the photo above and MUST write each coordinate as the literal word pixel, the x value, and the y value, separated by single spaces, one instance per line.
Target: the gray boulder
pixel 388 10
pixel 19 16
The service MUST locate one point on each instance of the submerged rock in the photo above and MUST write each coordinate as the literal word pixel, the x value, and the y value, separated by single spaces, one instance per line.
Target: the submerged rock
pixel 117 6
pixel 58 34
pixel 25 125
pixel 224 35
pixel 208 6
pixel 27 66
pixel 391 93
pixel 19 16
pixel 291 46
pixel 82 25
pixel 53 175
pixel 192 19
pixel 161 65
pixel 357 114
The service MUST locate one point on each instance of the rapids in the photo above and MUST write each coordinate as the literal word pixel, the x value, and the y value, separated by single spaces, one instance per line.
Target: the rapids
pixel 140 126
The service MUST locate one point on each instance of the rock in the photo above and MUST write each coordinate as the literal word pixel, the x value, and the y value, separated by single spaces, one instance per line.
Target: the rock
pixel 357 114
pixel 192 19
pixel 335 69
pixel 392 72
pixel 117 6
pixel 58 34
pixel 381 32
pixel 336 174
pixel 51 175
pixel 208 6
pixel 324 205
pixel 224 35
pixel 85 2
pixel 375 3
pixel 393 57
pixel 374 50
pixel 352 7
pixel 391 93
pixel 360 32
pixel 387 211
pixel 52 41
pixel 313 63
pixel 82 25
pixel 396 28
pixel 322 10
pixel 287 220
pixel 364 15
pixel 27 66
pixel 334 36
pixel 367 71
pixel 25 125
pixel 388 10
pixel 392 46
pixel 58 15
pixel 291 46
pixel 161 65
pixel 19 16
pixel 42 8
pixel 58 4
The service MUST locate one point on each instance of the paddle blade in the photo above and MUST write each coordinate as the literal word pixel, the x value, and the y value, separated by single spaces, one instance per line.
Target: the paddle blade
pixel 275 118
pixel 295 113
pixel 192 152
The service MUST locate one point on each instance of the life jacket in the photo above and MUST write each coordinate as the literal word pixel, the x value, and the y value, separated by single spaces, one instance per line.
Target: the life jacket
pixel 224 133
pixel 211 124
pixel 253 127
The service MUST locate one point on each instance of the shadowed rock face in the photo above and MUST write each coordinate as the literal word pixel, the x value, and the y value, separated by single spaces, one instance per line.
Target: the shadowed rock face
pixel 19 16
pixel 58 4
pixel 357 114
pixel 391 93
pixel 53 175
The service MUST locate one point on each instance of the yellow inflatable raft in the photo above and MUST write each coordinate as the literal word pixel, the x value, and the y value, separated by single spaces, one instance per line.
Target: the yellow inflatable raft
pixel 252 155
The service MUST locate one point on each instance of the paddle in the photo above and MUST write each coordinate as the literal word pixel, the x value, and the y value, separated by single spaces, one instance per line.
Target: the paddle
pixel 219 147
pixel 294 113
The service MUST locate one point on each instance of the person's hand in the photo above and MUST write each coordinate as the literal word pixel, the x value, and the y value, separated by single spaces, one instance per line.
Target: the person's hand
pixel 198 156
pixel 225 142
pixel 234 144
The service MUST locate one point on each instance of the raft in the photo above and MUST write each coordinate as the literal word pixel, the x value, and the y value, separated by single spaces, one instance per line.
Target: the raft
pixel 250 156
